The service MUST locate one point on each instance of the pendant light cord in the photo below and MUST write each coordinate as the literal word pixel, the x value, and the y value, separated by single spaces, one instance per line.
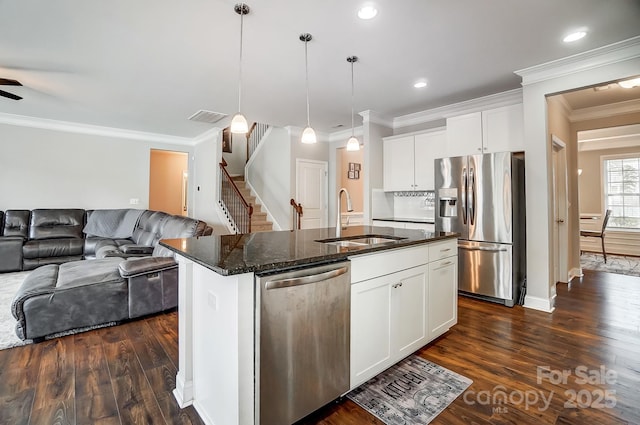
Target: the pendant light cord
pixel 353 132
pixel 240 64
pixel 306 72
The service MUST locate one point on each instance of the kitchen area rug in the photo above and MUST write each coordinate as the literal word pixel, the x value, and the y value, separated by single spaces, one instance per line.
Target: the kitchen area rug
pixel 618 264
pixel 413 391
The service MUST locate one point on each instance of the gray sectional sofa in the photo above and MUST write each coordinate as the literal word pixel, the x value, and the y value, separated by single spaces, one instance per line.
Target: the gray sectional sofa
pixel 91 267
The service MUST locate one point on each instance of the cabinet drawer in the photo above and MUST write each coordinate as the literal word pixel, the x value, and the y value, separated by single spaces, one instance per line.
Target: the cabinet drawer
pixel 365 267
pixel 444 249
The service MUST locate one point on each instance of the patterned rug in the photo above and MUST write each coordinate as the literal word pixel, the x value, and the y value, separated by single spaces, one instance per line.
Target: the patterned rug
pixel 615 263
pixel 9 284
pixel 412 392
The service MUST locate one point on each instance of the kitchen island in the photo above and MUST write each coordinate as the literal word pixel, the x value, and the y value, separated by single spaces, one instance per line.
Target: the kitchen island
pixel 403 295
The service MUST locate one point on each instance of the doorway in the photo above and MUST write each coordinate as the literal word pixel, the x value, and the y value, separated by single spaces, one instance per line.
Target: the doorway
pixel 311 192
pixel 169 182
pixel 560 211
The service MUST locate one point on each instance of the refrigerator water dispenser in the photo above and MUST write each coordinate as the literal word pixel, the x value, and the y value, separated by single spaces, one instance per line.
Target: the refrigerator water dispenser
pixel 448 202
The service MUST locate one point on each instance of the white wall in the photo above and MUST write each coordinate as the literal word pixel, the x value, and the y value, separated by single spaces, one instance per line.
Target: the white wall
pixel 56 169
pixel 269 173
pixel 373 162
pixel 237 159
pixel 205 182
pixel 540 284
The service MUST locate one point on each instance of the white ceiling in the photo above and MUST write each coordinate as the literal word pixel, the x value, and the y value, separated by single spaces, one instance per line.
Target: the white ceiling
pixel 147 65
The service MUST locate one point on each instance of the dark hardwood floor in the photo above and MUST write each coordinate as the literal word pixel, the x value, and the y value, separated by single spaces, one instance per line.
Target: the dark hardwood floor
pixel 125 374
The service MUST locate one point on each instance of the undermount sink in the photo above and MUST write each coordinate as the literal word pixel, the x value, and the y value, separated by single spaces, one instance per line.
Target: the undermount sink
pixel 360 240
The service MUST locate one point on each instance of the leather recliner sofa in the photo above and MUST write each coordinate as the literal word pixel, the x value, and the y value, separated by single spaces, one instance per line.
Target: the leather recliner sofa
pixel 87 280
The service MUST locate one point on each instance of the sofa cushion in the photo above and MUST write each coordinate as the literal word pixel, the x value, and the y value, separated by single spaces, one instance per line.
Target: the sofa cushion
pixel 77 294
pixel 10 253
pixel 52 248
pixel 148 229
pixel 92 244
pixel 16 223
pixel 56 223
pixel 116 224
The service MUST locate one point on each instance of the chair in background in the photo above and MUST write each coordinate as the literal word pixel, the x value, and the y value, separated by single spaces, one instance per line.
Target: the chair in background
pixel 600 234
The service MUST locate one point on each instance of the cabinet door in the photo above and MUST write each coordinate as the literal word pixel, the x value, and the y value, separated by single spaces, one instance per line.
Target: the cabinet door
pixel 370 328
pixel 428 147
pixel 443 295
pixel 464 134
pixel 503 129
pixel 398 164
pixel 409 311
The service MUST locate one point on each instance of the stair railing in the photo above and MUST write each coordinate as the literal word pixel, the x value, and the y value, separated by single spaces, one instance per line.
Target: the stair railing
pixel 236 207
pixel 297 213
pixel 255 134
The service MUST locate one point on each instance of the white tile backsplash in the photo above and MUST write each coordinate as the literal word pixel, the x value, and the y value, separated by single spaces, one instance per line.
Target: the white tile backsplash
pixel 419 205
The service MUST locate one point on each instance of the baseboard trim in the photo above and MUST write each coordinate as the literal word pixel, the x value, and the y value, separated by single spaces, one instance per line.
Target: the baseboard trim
pixel 540 304
pixel 575 272
pixel 183 391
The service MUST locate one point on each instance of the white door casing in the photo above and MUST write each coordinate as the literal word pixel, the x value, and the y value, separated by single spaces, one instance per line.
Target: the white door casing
pixel 560 211
pixel 311 192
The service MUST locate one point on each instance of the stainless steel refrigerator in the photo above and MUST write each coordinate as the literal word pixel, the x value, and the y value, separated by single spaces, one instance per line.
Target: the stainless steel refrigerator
pixel 481 197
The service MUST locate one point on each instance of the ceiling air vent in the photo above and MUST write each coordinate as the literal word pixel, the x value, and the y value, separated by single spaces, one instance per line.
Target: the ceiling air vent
pixel 207 116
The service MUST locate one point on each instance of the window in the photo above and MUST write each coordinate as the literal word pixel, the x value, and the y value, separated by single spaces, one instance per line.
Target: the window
pixel 622 191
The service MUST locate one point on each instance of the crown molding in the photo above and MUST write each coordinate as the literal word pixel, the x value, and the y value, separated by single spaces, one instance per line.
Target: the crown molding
pixel 491 101
pixel 343 135
pixel 612 53
pixel 376 118
pixel 608 138
pixel 73 127
pixel 605 111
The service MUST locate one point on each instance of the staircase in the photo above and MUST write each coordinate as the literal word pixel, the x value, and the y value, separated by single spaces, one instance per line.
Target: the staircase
pixel 259 222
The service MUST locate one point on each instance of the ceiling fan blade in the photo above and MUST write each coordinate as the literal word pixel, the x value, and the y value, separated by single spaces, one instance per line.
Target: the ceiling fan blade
pixel 8 82
pixel 9 95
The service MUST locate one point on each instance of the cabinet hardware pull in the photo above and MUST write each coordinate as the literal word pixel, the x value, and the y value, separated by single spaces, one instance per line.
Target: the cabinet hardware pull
pixel 397 285
pixel 445 250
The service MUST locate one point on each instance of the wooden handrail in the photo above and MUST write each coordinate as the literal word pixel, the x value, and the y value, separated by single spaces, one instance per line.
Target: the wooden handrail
pixel 253 127
pixel 297 209
pixel 242 224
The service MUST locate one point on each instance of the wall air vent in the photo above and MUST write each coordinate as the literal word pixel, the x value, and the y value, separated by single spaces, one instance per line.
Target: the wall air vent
pixel 207 116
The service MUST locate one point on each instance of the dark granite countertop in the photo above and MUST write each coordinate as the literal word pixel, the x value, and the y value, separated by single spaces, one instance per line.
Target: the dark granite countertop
pixel 408 220
pixel 280 250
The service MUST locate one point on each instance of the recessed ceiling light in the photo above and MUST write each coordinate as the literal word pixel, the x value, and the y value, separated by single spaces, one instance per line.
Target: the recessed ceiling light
pixel 629 84
pixel 367 12
pixel 574 36
pixel 420 84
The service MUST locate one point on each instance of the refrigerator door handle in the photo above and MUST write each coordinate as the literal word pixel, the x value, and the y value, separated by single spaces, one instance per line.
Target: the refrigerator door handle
pixel 472 196
pixel 463 201
pixel 482 248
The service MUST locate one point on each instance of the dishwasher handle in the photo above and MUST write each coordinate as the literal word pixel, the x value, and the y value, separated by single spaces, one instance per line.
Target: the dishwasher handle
pixel 305 280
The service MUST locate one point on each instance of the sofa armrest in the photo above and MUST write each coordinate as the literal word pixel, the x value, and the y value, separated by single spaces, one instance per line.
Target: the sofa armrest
pixel 138 266
pixel 136 249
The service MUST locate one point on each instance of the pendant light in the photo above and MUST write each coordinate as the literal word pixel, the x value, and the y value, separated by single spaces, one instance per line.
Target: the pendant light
pixel 239 122
pixel 308 135
pixel 352 144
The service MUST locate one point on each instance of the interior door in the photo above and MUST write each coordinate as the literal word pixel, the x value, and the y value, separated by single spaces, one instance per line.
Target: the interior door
pixel 311 192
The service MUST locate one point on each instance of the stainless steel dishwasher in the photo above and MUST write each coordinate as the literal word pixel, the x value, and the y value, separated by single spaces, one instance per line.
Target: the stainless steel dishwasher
pixel 303 334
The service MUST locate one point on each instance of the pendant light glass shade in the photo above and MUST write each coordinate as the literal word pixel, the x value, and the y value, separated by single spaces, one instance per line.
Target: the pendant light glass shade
pixel 239 122
pixel 308 135
pixel 352 144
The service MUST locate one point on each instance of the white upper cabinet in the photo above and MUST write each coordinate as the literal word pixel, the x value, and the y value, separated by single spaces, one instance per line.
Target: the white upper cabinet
pixel 464 134
pixel 408 161
pixel 494 130
pixel 398 164
pixel 503 129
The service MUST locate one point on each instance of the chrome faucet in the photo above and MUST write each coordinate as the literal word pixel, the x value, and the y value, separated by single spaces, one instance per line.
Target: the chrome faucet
pixel 349 208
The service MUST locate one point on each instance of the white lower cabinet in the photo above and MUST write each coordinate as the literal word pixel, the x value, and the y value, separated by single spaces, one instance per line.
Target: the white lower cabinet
pixel 443 296
pixel 388 321
pixel 399 302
